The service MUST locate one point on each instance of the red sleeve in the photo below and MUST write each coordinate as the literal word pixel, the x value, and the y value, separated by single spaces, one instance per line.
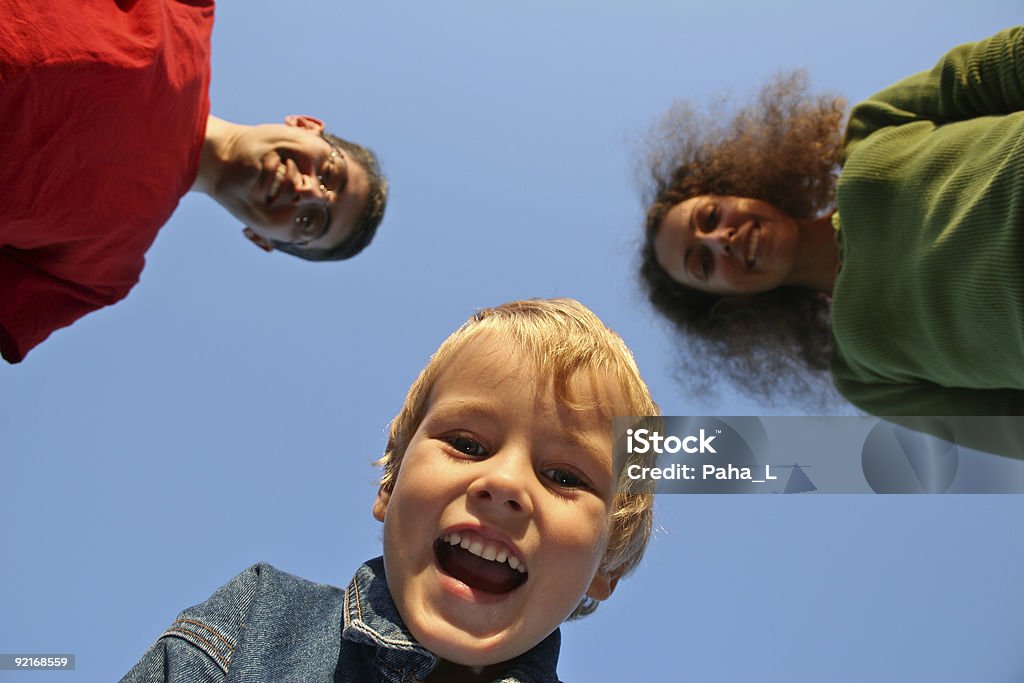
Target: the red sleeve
pixel 34 304
pixel 103 111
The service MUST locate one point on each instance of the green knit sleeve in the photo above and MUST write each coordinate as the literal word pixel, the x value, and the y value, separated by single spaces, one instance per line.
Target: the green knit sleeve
pixel 977 79
pixel 926 398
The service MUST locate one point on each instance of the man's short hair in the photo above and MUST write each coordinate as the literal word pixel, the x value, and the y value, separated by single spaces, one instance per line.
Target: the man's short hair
pixel 369 220
pixel 563 337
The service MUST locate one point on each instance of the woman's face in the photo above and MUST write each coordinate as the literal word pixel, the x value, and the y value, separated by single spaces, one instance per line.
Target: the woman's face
pixel 727 245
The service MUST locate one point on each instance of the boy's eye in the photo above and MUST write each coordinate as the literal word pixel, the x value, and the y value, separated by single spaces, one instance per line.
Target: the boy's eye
pixel 467 445
pixel 565 478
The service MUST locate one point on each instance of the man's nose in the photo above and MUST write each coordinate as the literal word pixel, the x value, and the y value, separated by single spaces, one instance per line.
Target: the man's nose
pixel 307 188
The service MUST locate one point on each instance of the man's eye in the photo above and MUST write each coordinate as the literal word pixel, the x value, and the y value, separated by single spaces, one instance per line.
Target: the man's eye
pixel 565 479
pixel 329 175
pixel 311 224
pixel 333 176
pixel 467 445
pixel 326 178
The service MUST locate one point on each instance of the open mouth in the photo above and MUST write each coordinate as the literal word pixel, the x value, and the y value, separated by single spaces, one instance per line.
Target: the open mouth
pixel 480 563
pixel 752 244
pixel 275 184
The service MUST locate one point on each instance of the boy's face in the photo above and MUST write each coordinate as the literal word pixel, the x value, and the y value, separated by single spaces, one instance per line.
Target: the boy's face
pixel 500 466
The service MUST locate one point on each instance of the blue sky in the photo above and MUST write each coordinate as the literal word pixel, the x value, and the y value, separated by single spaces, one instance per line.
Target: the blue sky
pixel 228 411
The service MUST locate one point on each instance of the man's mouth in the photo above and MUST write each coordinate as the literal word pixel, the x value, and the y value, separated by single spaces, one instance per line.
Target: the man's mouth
pixel 480 563
pixel 275 184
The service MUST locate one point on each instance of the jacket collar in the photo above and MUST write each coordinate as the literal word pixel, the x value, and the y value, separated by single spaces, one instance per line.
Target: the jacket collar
pixel 371 618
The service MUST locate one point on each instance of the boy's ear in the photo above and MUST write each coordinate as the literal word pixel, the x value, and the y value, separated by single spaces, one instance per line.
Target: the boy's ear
pixel 602 587
pixel 380 504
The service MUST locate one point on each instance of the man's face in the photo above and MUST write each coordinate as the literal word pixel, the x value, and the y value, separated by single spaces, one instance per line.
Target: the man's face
pixel 288 184
pixel 499 517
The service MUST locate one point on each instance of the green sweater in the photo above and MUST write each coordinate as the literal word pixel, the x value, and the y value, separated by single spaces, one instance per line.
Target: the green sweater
pixel 928 307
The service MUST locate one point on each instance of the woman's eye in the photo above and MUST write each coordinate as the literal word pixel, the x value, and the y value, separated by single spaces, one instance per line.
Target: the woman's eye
pixel 707 264
pixel 565 479
pixel 711 219
pixel 467 445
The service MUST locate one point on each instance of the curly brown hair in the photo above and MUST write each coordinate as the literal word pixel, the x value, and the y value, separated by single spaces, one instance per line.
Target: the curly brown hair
pixel 781 148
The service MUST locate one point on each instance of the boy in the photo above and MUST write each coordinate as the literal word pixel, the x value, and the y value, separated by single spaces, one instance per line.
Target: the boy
pixel 501 520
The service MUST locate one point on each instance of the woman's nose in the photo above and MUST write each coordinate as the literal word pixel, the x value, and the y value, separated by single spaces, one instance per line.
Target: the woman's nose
pixel 721 240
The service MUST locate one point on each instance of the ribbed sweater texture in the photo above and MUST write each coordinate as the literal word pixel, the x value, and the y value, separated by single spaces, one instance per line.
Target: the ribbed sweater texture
pixel 928 307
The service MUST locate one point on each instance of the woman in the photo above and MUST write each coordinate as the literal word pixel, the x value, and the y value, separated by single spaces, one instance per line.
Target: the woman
pixel 751 239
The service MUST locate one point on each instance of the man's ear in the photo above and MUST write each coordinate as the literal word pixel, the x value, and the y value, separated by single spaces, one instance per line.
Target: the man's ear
pixel 380 504
pixel 302 121
pixel 602 587
pixel 260 241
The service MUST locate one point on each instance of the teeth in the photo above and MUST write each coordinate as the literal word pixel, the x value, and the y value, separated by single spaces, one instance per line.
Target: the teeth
pixel 752 246
pixel 488 550
pixel 278 177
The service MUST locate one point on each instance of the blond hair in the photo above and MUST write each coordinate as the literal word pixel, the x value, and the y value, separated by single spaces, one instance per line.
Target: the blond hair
pixel 562 337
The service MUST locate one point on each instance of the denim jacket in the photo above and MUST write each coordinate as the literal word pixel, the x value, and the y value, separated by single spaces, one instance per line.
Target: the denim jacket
pixel 266 626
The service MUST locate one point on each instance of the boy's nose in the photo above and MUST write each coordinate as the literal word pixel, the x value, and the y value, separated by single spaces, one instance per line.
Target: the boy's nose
pixel 503 485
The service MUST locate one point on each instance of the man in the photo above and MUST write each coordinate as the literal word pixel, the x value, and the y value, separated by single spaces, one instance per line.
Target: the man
pixel 105 112
pixel 297 188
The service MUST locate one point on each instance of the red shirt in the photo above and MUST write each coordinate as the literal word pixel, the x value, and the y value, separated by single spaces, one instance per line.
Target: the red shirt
pixel 103 109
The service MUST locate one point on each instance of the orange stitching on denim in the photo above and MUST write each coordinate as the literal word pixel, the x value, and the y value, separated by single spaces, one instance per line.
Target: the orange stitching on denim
pixel 204 626
pixel 359 606
pixel 184 634
pixel 363 627
pixel 222 662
